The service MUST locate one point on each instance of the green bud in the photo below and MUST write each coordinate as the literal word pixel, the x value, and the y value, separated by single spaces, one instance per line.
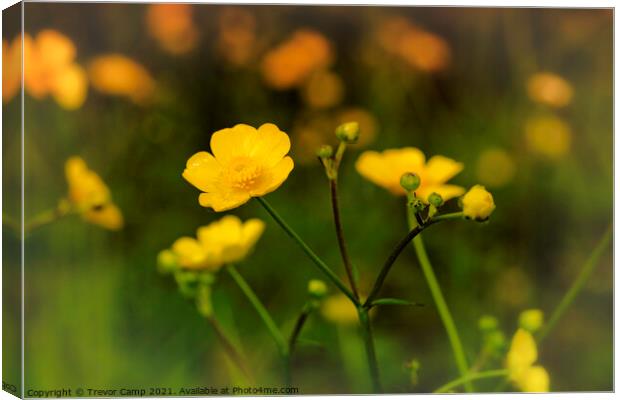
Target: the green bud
pixel 531 320
pixel 317 288
pixel 166 262
pixel 410 181
pixel 187 281
pixel 435 199
pixel 496 341
pixel 348 132
pixel 487 323
pixel 325 151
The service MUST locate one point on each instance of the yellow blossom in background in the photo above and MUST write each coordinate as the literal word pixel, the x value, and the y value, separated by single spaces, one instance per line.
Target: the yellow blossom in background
pixel 246 162
pixel 227 240
pixel 385 169
pixel 309 135
pixel 495 167
pixel 90 196
pixel 171 25
pixel 339 310
pixel 520 364
pixel 550 89
pixel 11 68
pixel 324 89
pixel 236 35
pixel 548 135
pixel 118 75
pixel 50 69
pixel 292 62
pixel 419 48
pixel 531 320
pixel 367 122
pixel 478 203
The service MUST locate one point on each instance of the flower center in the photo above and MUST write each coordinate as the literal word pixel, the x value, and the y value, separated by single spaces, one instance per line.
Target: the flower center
pixel 243 172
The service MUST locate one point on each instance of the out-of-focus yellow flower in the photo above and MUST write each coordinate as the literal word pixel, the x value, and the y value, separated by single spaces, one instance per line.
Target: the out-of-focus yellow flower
pixel 246 162
pixel 324 89
pixel 317 288
pixel 309 135
pixel 548 135
pixel 420 49
pixel 171 25
pixel 339 310
pixel 495 167
pixel 119 75
pixel 236 37
pixel 385 169
pixel 520 364
pixel 531 320
pixel 367 122
pixel 478 204
pixel 90 196
pixel 11 68
pixel 221 242
pixel 550 89
pixel 49 68
pixel 292 62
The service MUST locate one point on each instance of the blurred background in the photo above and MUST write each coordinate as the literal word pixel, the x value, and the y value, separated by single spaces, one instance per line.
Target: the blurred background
pixel 523 97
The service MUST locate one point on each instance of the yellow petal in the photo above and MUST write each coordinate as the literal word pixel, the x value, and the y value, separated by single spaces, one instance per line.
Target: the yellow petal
pixel 251 232
pixel 447 192
pixel 273 178
pixel 70 87
pixel 371 166
pixel 189 252
pixel 272 145
pixel 229 143
pixel 220 201
pixel 522 354
pixel 440 169
pixel 407 159
pixel 108 216
pixel 74 168
pixel 202 171
pixel 534 380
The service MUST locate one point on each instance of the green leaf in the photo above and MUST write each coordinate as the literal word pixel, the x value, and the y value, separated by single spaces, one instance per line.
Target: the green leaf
pixel 395 302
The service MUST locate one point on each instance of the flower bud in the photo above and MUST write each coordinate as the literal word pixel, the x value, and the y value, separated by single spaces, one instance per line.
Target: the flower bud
pixel 435 199
pixel 348 132
pixel 166 261
pixel 496 341
pixel 478 203
pixel 487 323
pixel 317 288
pixel 531 320
pixel 410 181
pixel 325 151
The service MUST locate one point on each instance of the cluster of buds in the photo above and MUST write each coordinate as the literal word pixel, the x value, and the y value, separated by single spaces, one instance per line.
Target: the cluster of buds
pixel 347 133
pixel 493 338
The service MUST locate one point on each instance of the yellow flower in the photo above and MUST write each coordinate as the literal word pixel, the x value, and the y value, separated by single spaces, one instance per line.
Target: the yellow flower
pixel 548 135
pixel 246 162
pixel 478 203
pixel 118 75
pixel 70 87
pixel 324 89
pixel 172 26
pixel 225 241
pixel 340 310
pixel 11 68
pixel 531 320
pixel 520 364
pixel 550 89
pixel 495 167
pixel 385 169
pixel 90 196
pixel 236 35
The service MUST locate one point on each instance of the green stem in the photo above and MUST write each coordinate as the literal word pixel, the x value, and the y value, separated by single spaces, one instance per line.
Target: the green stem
pixel 578 284
pixel 440 302
pixel 448 216
pixel 472 377
pixel 229 348
pixel 317 261
pixel 370 349
pixel 260 309
pixel 44 218
pixel 299 324
pixel 333 185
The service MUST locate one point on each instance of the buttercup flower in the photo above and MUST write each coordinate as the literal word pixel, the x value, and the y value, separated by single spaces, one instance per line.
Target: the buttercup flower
pixel 246 162
pixel 90 196
pixel 478 203
pixel 548 136
pixel 339 309
pixel 225 241
pixel 117 75
pixel 550 89
pixel 495 167
pixel 385 169
pixel 172 26
pixel 324 89
pixel 520 364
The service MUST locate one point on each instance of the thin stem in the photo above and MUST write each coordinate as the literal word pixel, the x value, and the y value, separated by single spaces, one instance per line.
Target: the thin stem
pixel 299 324
pixel 578 284
pixel 370 349
pixel 440 302
pixel 390 262
pixel 45 218
pixel 229 348
pixel 333 185
pixel 311 254
pixel 260 309
pixel 472 377
pixel 448 216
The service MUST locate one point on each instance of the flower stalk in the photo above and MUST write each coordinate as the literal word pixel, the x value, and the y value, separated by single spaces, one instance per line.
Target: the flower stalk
pixel 229 348
pixel 373 365
pixel 471 377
